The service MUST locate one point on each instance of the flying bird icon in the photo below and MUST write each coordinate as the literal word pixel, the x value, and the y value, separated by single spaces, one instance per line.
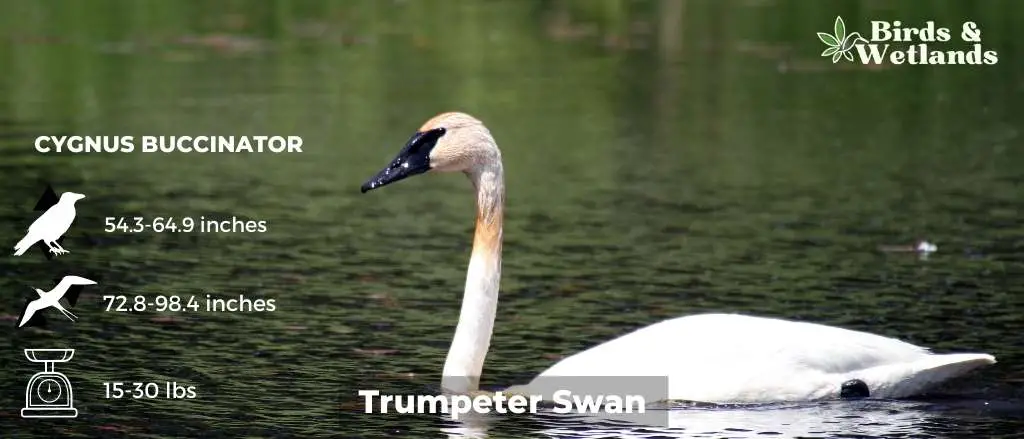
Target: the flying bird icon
pixel 51 225
pixel 69 286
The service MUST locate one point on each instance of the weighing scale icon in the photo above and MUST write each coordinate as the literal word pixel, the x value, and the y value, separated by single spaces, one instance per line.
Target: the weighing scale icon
pixel 49 393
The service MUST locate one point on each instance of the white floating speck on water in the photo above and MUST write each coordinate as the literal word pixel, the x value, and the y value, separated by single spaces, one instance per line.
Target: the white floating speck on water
pixel 926 247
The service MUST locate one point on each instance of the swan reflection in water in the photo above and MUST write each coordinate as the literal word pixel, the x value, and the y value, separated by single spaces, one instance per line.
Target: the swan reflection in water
pixel 865 418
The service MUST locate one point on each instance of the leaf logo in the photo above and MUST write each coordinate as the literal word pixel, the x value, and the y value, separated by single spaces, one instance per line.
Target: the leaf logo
pixel 840 44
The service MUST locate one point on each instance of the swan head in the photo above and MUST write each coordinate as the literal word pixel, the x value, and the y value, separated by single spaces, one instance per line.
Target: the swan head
pixel 448 142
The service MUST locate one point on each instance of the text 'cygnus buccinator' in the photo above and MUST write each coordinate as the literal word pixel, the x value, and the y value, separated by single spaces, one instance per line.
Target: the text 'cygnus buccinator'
pixel 715 358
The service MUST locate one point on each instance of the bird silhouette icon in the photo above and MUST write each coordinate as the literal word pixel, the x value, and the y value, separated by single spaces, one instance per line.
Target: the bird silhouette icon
pixel 66 287
pixel 51 225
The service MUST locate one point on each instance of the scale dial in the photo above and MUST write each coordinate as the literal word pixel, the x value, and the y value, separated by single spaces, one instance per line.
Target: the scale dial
pixel 49 390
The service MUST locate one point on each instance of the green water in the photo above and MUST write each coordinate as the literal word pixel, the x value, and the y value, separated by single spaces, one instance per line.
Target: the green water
pixel 662 158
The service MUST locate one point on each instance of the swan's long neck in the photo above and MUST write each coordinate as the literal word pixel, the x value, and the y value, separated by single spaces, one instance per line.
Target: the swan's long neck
pixel 480 301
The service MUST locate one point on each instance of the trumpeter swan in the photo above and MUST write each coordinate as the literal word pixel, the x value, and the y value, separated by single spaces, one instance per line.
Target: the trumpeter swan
pixel 714 358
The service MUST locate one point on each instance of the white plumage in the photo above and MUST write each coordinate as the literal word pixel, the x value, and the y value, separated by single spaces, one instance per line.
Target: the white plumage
pixel 731 358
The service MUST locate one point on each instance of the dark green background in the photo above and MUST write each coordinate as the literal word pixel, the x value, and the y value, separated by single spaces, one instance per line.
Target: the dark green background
pixel 662 158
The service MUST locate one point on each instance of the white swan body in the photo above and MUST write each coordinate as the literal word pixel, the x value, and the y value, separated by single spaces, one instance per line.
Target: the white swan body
pixel 715 358
pixel 731 358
